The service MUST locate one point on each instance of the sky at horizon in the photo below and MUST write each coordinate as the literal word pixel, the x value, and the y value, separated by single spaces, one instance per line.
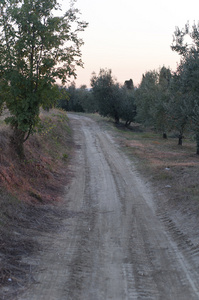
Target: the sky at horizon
pixel 130 37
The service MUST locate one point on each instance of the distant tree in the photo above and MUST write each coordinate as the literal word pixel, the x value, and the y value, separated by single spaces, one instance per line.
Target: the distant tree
pixel 129 84
pixel 74 103
pixel 87 99
pixel 33 54
pixel 77 99
pixel 165 78
pixel 163 96
pixel 63 100
pixel 151 97
pixel 178 107
pixel 146 95
pixel 2 98
pixel 107 94
pixel 128 106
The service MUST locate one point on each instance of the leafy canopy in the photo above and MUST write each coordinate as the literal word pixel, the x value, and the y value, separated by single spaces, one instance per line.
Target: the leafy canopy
pixel 186 43
pixel 106 91
pixel 37 48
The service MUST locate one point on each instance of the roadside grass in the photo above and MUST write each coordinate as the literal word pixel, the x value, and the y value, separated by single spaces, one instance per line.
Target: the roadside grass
pixel 46 155
pixel 29 192
pixel 171 168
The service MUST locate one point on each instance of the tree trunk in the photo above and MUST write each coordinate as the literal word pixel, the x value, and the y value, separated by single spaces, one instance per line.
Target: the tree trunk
pixel 180 139
pixel 127 123
pixel 117 119
pixel 197 143
pixel 17 141
pixel 164 135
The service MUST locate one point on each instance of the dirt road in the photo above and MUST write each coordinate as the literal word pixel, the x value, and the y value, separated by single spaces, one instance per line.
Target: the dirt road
pixel 114 245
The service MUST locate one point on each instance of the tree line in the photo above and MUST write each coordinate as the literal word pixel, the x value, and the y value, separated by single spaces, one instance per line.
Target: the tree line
pixel 39 47
pixel 164 100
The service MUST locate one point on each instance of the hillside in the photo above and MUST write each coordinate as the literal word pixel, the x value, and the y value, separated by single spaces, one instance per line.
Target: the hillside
pixel 24 186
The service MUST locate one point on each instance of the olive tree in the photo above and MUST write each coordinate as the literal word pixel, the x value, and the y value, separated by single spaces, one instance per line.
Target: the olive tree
pixel 146 95
pixel 107 94
pixel 37 48
pixel 189 72
pixel 151 98
pixel 127 104
pixel 178 107
pixel 86 99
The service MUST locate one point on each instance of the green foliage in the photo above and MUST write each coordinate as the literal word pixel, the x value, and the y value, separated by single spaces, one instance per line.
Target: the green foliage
pixel 36 49
pixel 178 108
pixel 86 98
pixel 65 156
pixel 128 108
pixel 74 102
pixel 151 98
pixel 106 93
pixel 188 75
pixel 76 99
pixel 129 84
pixel 146 95
pixel 45 127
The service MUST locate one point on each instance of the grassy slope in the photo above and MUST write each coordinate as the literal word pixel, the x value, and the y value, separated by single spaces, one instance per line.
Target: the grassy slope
pixel 24 186
pixel 36 177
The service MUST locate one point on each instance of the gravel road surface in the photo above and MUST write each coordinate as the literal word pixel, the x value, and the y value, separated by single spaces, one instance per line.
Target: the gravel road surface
pixel 114 245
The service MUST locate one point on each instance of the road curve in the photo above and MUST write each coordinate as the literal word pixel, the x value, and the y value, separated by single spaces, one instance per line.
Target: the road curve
pixel 115 244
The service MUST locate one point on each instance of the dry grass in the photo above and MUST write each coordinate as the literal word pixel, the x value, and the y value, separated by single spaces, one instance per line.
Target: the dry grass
pixel 171 168
pixel 40 175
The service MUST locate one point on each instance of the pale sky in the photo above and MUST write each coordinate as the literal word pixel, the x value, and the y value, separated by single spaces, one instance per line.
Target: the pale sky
pixel 131 37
